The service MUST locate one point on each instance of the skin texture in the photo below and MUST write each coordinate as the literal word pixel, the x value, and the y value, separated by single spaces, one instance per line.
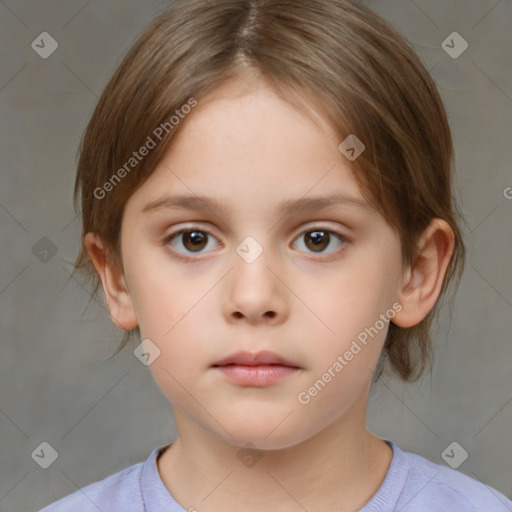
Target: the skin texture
pixel 250 149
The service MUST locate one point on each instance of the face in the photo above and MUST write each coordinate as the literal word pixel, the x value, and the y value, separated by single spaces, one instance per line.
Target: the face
pixel 251 273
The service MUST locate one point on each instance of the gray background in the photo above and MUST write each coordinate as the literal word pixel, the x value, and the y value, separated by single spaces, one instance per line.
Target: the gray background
pixel 56 384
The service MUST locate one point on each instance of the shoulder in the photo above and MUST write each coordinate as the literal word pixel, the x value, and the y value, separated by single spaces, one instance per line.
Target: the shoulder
pixel 435 487
pixel 119 491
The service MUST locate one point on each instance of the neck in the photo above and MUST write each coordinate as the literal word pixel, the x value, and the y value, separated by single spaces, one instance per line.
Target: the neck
pixel 339 468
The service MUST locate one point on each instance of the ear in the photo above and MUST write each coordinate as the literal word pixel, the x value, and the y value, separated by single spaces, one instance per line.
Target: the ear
pixel 422 282
pixel 117 296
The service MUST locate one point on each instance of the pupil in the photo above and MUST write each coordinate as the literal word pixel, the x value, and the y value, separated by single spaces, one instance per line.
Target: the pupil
pixel 194 239
pixel 316 235
pixel 320 240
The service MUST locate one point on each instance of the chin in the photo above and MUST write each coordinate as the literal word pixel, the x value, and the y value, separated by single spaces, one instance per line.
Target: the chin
pixel 263 435
pixel 265 443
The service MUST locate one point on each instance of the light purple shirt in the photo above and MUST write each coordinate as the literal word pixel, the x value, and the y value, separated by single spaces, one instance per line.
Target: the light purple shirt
pixel 412 484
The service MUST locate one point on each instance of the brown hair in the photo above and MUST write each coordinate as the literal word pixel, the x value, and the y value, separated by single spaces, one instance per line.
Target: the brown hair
pixel 336 54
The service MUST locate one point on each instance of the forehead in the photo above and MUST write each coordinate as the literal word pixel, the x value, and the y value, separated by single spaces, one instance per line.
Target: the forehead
pixel 249 95
pixel 245 142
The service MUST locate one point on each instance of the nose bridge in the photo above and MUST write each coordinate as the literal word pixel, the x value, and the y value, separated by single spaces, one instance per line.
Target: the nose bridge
pixel 250 249
pixel 254 288
pixel 251 260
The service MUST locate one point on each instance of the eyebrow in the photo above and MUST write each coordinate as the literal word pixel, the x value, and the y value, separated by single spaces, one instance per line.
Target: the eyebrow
pixel 203 203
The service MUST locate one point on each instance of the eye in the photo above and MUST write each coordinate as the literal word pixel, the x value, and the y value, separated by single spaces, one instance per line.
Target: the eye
pixel 318 238
pixel 193 240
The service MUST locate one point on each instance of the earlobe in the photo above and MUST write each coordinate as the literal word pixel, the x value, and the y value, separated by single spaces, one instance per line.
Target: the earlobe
pixel 117 295
pixel 423 281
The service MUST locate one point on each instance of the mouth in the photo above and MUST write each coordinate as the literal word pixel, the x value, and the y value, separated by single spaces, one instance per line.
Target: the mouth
pixel 255 369
pixel 262 358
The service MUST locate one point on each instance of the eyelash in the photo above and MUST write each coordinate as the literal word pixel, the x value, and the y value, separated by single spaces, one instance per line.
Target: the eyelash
pixel 186 258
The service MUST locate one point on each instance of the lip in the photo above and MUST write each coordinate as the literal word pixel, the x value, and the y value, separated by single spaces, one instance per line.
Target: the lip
pixel 255 369
pixel 264 357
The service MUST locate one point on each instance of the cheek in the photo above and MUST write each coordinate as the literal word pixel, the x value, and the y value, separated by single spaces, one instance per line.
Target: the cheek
pixel 342 358
pixel 160 291
pixel 175 323
pixel 345 312
pixel 174 310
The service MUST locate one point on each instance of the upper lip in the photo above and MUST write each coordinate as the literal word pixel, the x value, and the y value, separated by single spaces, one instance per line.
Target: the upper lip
pixel 255 359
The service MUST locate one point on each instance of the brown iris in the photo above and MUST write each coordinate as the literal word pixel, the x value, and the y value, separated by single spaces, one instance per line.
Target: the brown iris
pixel 319 240
pixel 194 240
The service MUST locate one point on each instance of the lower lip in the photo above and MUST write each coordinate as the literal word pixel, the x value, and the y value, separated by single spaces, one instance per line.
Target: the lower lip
pixel 258 376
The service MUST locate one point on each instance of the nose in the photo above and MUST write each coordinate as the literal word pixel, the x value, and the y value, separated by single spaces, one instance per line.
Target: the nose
pixel 255 293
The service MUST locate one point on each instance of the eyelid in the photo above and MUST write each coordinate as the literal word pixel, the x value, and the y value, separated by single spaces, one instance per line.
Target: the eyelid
pixel 190 227
pixel 312 225
pixel 322 226
pixel 324 256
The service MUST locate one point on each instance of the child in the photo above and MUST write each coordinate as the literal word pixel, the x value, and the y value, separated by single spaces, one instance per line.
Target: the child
pixel 267 202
